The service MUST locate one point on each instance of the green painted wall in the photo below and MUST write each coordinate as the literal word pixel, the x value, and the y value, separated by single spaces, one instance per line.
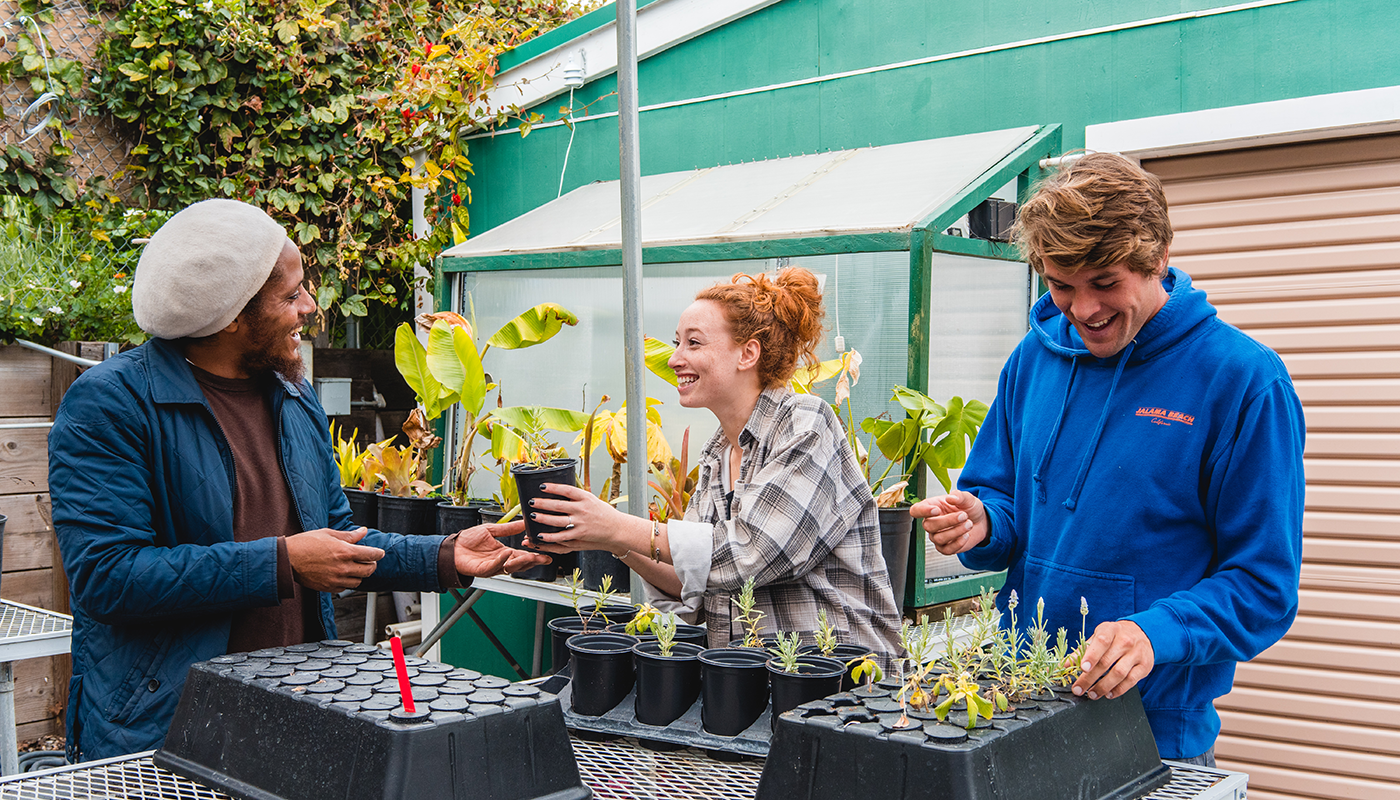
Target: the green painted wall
pixel 1301 48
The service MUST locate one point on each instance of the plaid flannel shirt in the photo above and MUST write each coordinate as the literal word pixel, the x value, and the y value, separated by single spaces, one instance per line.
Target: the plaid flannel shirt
pixel 802 523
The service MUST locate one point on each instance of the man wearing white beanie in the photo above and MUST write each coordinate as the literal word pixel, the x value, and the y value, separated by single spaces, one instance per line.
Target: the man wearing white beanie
pixel 195 494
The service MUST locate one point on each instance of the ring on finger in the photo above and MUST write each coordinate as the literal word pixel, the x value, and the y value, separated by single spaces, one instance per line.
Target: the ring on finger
pixel 569 522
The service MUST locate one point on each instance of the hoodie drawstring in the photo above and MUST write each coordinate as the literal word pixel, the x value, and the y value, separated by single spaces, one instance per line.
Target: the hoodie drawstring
pixel 1054 433
pixel 1073 498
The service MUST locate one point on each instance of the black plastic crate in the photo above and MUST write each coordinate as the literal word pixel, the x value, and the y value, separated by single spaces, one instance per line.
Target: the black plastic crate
pixel 315 721
pixel 1065 748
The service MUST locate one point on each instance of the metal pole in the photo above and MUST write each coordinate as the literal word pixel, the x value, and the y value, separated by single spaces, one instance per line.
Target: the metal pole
pixel 630 168
pixel 9 747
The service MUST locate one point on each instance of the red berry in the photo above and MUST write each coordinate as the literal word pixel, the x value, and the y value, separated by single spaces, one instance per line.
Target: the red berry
pixel 456 199
pixel 415 69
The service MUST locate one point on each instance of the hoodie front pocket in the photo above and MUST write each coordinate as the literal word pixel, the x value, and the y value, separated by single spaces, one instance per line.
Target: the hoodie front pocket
pixel 1109 596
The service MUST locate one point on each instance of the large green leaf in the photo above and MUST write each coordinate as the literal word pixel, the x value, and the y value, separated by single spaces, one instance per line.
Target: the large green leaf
pixel 954 436
pixel 535 325
pixel 657 354
pixel 453 360
pixel 895 439
pixel 538 418
pixel 411 358
pixel 915 401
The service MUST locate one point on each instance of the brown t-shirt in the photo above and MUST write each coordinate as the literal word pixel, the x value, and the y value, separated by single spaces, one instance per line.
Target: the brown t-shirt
pixel 262 507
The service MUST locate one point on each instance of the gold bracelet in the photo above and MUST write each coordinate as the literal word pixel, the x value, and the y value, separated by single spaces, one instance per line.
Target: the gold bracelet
pixel 623 557
pixel 655 550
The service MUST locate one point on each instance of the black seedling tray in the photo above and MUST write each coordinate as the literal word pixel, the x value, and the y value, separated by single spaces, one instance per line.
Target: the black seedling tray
pixel 686 731
pixel 316 721
pixel 1065 748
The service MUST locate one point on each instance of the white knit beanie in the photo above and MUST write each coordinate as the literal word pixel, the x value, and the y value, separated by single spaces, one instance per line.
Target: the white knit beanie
pixel 202 267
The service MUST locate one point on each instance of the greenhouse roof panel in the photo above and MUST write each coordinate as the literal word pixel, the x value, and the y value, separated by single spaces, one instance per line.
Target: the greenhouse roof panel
pixel 866 190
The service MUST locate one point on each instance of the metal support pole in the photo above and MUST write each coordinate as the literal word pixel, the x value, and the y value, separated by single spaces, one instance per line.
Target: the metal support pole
pixel 370 608
pixel 464 603
pixel 9 746
pixel 630 168
pixel 539 640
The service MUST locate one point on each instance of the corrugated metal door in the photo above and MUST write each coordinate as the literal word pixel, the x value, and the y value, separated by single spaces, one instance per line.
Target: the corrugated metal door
pixel 1299 245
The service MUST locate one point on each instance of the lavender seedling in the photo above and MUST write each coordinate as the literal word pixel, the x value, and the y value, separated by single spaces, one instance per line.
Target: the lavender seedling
pixel 665 627
pixel 749 615
pixel 826 634
pixel 786 650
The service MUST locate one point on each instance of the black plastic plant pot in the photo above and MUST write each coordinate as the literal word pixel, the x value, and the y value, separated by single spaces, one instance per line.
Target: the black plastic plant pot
pixel 528 481
pixel 816 677
pixel 844 653
pixel 667 686
pixel 690 634
pixel 544 573
pixel 453 518
pixel 602 671
pixel 735 693
pixel 411 516
pixel 597 564
pixel 364 508
pixel 321 723
pixel 560 630
pixel 1066 749
pixel 896 533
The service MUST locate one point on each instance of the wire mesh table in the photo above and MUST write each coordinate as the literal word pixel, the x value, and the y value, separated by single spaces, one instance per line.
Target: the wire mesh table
pixel 25 632
pixel 616 770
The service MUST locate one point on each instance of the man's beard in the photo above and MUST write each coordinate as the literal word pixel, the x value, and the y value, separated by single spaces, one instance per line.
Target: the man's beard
pixel 268 350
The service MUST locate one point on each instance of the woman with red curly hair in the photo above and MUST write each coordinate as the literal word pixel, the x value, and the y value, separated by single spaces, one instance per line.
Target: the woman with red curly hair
pixel 780 498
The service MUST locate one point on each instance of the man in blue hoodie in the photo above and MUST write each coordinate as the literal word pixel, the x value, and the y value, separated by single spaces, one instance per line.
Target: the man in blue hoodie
pixel 1142 455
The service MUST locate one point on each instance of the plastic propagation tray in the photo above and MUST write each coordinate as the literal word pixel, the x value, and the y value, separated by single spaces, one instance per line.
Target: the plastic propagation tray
pixel 316 721
pixel 684 732
pixel 1065 748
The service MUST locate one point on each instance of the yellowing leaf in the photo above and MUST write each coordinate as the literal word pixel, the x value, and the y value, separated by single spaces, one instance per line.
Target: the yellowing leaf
pixel 534 326
pixel 657 354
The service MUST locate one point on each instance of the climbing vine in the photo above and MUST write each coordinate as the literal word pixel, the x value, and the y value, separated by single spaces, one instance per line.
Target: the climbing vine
pixel 325 112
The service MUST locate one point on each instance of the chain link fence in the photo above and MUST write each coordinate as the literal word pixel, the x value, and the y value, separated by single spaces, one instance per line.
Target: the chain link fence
pixel 73 34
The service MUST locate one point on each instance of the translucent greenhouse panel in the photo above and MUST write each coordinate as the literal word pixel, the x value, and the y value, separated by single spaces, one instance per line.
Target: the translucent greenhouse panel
pixel 866 293
pixel 980 308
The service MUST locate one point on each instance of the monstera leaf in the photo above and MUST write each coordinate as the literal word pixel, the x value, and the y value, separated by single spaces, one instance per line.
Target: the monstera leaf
pixel 952 437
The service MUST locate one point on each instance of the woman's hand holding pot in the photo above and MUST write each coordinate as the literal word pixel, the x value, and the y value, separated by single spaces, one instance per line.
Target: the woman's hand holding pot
pixel 589 522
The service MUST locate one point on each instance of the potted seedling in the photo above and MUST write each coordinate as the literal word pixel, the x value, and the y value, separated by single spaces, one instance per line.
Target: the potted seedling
pixel 593 612
pixel 404 506
pixel 865 671
pixel 668 673
pixel 796 678
pixel 354 480
pixel 829 644
pixel 736 677
pixel 449 370
pixel 643 626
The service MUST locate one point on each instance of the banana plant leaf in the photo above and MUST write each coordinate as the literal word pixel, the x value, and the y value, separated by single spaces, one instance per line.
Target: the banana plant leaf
pixel 454 361
pixel 657 354
pixel 411 358
pixel 534 326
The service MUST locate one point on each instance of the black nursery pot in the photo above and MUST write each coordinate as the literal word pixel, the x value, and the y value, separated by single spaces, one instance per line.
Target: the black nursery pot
pixel 816 677
pixel 364 508
pixel 453 518
pixel 843 653
pixel 412 516
pixel 666 685
pixel 736 689
pixel 595 564
pixel 528 481
pixel 602 671
pixel 561 629
pixel 896 533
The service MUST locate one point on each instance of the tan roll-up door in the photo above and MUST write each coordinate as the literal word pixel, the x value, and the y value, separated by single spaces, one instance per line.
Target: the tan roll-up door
pixel 1299 245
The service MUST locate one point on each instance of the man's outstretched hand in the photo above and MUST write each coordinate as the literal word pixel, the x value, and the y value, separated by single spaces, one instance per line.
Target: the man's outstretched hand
pixel 478 553
pixel 330 561
pixel 955 522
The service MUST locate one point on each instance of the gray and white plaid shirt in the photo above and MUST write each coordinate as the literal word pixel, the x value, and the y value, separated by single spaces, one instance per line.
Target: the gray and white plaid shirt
pixel 802 523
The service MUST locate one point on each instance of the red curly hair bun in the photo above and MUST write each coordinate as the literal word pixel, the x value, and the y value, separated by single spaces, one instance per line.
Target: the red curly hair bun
pixel 784 315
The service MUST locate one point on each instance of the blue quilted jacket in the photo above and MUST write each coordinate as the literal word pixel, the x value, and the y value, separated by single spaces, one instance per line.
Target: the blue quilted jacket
pixel 142 481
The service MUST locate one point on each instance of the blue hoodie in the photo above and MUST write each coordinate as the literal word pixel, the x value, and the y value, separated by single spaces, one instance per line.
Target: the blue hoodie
pixel 1163 484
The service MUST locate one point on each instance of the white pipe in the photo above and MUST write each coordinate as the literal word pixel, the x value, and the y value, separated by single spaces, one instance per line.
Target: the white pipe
pixel 82 362
pixel 996 48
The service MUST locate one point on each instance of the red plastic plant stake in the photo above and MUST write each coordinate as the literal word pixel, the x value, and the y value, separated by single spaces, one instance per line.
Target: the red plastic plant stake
pixel 401 667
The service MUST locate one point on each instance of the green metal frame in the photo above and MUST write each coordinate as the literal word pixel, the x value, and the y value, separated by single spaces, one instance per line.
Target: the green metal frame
pixel 921 241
